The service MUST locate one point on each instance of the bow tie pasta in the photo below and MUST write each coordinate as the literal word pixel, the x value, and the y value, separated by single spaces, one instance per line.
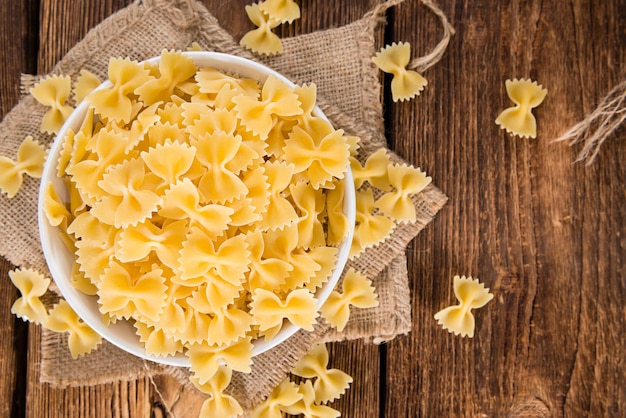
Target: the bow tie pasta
pixel 205 209
pixel 519 120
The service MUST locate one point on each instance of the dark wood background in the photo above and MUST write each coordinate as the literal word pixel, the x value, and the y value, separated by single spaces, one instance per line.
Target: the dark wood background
pixel 547 236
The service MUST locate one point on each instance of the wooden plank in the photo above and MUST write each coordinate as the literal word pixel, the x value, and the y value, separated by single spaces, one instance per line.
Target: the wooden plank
pixel 18 25
pixel 543 234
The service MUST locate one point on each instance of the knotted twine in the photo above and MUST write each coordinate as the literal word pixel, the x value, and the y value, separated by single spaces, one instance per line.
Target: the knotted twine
pixel 338 61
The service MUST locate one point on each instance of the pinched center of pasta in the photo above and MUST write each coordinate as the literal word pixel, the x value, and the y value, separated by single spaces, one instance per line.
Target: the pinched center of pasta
pixel 205 208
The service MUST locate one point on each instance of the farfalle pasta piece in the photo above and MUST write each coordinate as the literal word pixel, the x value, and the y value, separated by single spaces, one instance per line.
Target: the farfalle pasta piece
pixel 174 68
pixel 30 159
pixel 322 157
pixel 182 201
pixel 519 120
pixel 308 405
pixel 261 40
pixel 213 293
pixel 266 272
pixel 212 81
pixel 55 209
pixel 109 149
pixel 219 404
pixel 124 294
pixel 338 225
pixel 215 151
pixel 394 59
pixel 284 395
pixel 374 171
pixel 136 242
pixel 285 11
pixel 53 92
pixel 129 201
pixel 280 211
pixel 201 257
pixel 282 244
pixel 310 204
pixel 32 285
pixel 459 319
pixel 407 181
pixel 329 384
pixel 142 122
pixel 326 259
pixel 156 342
pixel 299 308
pixel 85 84
pixel 206 359
pixel 277 99
pixel 370 228
pixel 357 290
pixel 169 160
pixel 114 103
pixel 229 325
pixel 82 339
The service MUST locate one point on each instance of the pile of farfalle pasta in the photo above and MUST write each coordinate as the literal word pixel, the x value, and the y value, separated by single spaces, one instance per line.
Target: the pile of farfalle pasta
pixel 204 207
pixel 207 209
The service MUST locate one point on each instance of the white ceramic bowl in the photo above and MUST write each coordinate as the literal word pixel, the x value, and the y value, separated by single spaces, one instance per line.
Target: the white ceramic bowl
pixel 60 259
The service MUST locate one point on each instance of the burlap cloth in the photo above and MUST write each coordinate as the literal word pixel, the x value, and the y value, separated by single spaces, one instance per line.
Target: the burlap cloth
pixel 338 61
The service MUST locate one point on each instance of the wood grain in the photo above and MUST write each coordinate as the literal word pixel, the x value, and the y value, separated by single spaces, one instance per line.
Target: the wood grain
pixel 546 235
pixel 543 234
pixel 18 30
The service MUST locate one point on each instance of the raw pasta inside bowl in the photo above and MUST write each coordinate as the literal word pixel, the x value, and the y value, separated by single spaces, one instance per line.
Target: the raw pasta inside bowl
pixel 61 260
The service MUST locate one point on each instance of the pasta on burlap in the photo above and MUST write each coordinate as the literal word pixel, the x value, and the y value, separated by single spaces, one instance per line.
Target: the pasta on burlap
pixel 345 79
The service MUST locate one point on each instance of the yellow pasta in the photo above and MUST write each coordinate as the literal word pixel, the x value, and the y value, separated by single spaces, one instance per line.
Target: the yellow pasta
pixel 53 92
pixel 357 291
pixel 174 68
pixel 206 359
pixel 310 204
pixel 308 405
pixel 374 171
pixel 281 10
pixel 284 395
pixel 85 84
pixel 329 384
pixel 323 157
pixel 32 285
pixel 394 59
pixel 156 342
pixel 219 404
pixel 459 319
pixel 406 181
pixel 123 293
pixel 298 308
pixel 371 228
pixel 519 120
pixel 182 221
pixel 128 200
pixel 55 210
pixel 114 103
pixel 30 159
pixel 81 338
pixel 261 40
pixel 257 114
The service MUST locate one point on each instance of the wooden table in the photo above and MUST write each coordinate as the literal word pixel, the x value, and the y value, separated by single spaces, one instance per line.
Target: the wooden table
pixel 547 236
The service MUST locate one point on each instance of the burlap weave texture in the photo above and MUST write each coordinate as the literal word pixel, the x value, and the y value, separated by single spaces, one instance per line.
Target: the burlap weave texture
pixel 338 62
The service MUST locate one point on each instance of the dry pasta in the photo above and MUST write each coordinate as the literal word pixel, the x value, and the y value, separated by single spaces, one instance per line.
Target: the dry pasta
pixel 81 338
pixel 30 159
pixel 281 10
pixel 261 40
pixel 329 384
pixel 357 291
pixel 183 221
pixel 32 285
pixel 394 59
pixel 519 120
pixel 53 92
pixel 458 319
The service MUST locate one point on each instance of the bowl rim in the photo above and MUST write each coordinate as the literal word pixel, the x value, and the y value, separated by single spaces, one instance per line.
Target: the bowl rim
pixel 233 64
